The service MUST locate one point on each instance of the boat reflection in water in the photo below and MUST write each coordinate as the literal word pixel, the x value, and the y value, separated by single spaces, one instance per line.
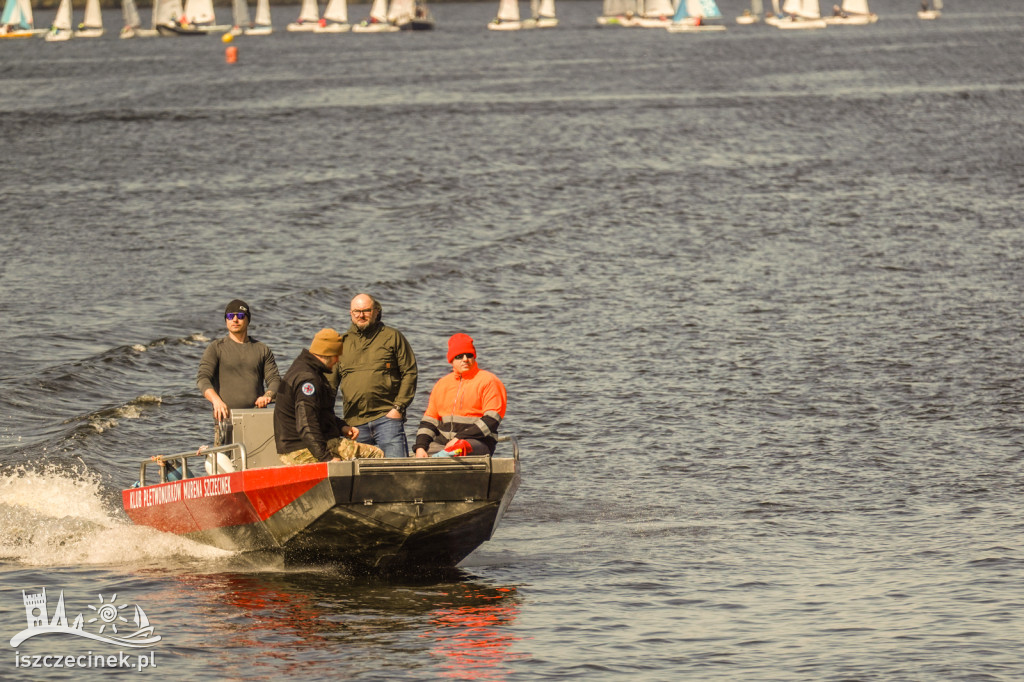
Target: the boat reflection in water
pixel 318 620
pixel 470 638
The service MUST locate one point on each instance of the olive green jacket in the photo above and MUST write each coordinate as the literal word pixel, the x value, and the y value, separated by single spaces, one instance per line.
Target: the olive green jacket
pixel 376 372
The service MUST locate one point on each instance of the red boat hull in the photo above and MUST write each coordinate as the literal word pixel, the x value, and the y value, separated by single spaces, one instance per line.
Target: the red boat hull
pixel 365 514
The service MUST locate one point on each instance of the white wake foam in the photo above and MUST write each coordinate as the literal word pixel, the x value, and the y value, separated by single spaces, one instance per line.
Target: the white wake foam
pixel 56 518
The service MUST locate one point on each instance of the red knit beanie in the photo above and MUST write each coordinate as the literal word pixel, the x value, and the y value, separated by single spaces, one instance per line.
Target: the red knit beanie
pixel 460 343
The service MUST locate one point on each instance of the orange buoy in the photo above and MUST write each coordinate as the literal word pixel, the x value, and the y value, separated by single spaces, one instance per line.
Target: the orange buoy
pixel 231 54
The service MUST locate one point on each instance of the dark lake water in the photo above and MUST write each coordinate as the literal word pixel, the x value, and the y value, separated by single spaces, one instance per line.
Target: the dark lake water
pixel 756 297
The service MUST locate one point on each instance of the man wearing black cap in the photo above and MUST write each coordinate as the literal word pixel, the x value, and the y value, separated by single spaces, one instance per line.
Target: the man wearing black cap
pixel 237 371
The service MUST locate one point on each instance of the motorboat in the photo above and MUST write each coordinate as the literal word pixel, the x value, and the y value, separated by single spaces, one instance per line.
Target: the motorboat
pixel 379 515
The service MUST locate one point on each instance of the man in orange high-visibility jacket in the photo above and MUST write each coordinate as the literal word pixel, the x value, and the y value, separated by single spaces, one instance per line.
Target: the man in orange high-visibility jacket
pixel 465 408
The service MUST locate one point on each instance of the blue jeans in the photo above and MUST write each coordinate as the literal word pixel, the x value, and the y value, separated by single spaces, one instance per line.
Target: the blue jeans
pixel 386 434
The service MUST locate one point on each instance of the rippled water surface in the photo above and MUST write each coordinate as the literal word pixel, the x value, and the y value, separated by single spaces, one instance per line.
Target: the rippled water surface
pixel 755 295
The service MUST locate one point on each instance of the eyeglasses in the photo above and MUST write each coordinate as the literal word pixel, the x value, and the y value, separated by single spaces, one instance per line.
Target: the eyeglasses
pixel 234 316
pixel 464 356
pixel 364 311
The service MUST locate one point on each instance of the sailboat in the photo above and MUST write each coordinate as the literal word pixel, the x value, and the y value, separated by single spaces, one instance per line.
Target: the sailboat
pixel 399 12
pixel 656 14
pixel 801 14
pixel 378 20
pixel 335 19
pixel 61 28
pixel 261 22
pixel 542 15
pixel 309 17
pixel 422 18
pixel 773 18
pixel 508 17
pixel 92 24
pixel 690 16
pixel 618 13
pixel 410 15
pixel 16 20
pixel 132 20
pixel 934 13
pixel 167 16
pixel 852 13
pixel 752 15
pixel 239 17
pixel 200 15
pixel 167 19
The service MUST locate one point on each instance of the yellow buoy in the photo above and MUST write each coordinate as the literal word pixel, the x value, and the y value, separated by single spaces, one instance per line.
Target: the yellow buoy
pixel 227 38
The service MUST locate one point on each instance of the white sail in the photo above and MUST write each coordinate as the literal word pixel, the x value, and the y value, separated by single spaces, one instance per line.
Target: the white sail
pixel 200 12
pixel 379 10
pixel 508 10
pixel 131 14
pixel 400 11
pixel 93 14
pixel 546 8
pixel 937 4
pixel 703 8
pixel 658 8
pixel 309 12
pixel 775 7
pixel 756 8
pixel 856 7
pixel 240 13
pixel 26 12
pixel 263 12
pixel 17 13
pixel 337 11
pixel 62 22
pixel 614 8
pixel 807 9
pixel 167 12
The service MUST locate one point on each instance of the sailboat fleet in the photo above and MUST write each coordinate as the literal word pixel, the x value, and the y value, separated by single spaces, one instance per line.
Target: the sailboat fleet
pixel 542 15
pixel 196 17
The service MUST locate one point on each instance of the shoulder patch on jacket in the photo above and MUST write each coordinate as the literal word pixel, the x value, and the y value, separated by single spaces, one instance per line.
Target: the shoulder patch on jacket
pixel 308 388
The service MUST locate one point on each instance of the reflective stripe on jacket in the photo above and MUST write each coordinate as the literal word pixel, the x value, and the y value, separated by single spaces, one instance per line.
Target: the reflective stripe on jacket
pixel 469 406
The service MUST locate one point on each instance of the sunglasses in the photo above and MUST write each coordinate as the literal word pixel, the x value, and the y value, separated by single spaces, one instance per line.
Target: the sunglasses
pixel 464 356
pixel 234 316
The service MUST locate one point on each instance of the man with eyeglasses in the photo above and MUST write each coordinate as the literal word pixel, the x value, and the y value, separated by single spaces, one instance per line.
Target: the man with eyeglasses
pixel 465 407
pixel 236 371
pixel 376 376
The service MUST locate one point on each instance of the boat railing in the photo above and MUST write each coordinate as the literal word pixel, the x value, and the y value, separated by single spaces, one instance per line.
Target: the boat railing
pixel 513 440
pixel 181 458
pixel 214 464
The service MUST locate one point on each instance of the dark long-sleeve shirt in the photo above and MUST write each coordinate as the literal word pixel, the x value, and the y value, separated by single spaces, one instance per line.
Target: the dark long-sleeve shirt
pixel 238 371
